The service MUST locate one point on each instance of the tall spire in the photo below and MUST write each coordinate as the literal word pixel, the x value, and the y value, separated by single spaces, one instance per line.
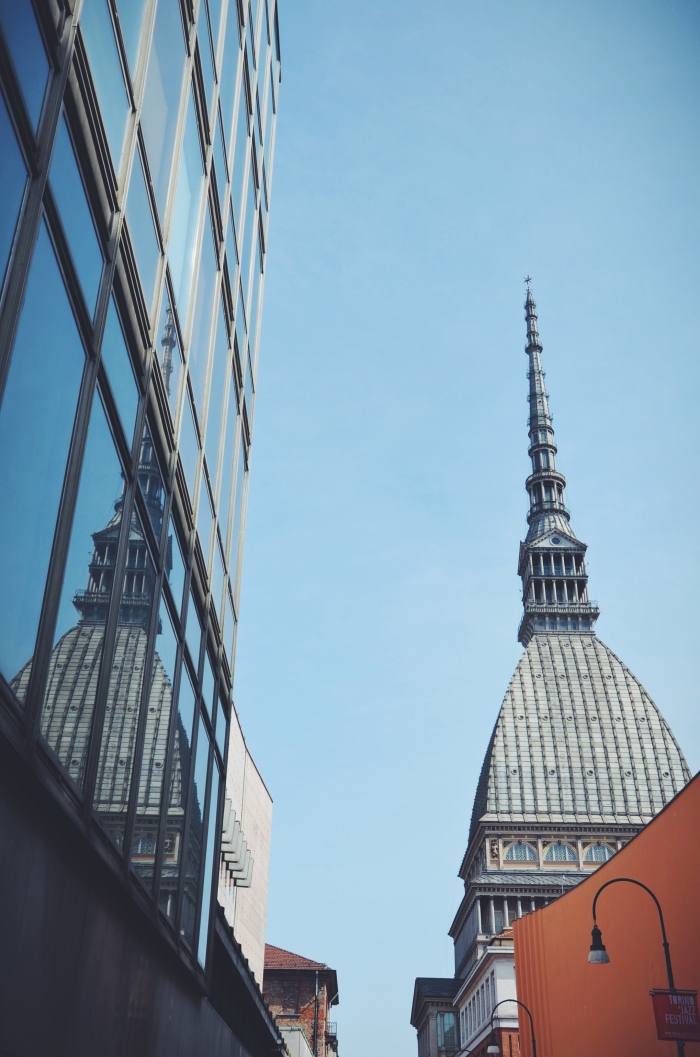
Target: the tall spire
pixel 552 560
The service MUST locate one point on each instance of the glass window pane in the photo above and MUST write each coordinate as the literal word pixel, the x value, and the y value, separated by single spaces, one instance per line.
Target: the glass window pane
pixel 232 433
pixel 202 319
pixel 204 521
pixel 13 180
pixel 120 728
pixel 120 373
pixel 247 237
pixel 148 804
pixel 217 578
pixel 177 797
pixel 196 838
pixel 217 392
pixel 175 567
pixel 231 254
pixel 151 482
pixel 255 297
pixel 240 155
pixel 208 685
pixel 131 20
pixel 98 34
pixel 181 250
pixel 36 423
pixel 210 853
pixel 170 356
pixel 236 517
pixel 69 699
pixel 241 329
pixel 221 727
pixel 220 163
pixel 67 187
pixel 229 69
pixel 230 629
pixel 142 230
pixel 189 445
pixel 161 100
pixel 206 61
pixel 248 391
pixel 214 7
pixel 27 50
pixel 193 633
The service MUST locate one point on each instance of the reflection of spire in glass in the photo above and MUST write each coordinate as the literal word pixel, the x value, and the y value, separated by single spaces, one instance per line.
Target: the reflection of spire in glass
pixel 168 342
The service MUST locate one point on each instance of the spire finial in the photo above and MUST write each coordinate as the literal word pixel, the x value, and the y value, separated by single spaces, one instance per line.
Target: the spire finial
pixel 552 560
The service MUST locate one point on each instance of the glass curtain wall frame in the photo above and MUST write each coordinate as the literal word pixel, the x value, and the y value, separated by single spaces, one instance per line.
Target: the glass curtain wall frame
pixel 107 164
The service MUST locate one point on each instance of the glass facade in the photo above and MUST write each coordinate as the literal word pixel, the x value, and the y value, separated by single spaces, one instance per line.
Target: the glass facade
pixel 137 153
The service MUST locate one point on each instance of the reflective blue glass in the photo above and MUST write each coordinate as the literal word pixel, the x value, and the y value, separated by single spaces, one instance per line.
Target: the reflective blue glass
pixel 131 21
pixel 208 685
pixel 240 152
pixel 175 567
pixel 204 521
pixel 152 770
pixel 169 354
pixel 206 61
pixel 197 840
pixel 237 515
pixel 181 251
pixel 248 389
pixel 214 7
pixel 221 728
pixel 71 689
pixel 161 99
pixel 217 578
pixel 142 230
pixel 151 482
pixel 28 53
pixel 247 236
pixel 202 318
pixel 269 117
pixel 209 852
pixel 103 53
pixel 229 68
pixel 193 632
pixel 178 787
pixel 232 432
pixel 220 162
pixel 255 295
pixel 231 254
pixel 67 186
pixel 36 423
pixel 241 327
pixel 230 630
pixel 189 445
pixel 13 180
pixel 217 388
pixel 115 357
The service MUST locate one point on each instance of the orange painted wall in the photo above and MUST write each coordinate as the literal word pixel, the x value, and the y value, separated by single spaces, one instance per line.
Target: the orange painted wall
pixel 581 1009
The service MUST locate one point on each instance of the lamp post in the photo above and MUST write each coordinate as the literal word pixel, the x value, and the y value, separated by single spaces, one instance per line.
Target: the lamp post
pixel 598 954
pixel 493 1048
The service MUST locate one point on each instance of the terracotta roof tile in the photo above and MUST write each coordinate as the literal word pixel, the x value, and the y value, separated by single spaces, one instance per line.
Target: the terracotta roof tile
pixel 277 958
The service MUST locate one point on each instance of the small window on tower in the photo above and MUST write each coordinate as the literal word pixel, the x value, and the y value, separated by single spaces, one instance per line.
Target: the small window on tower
pixel 521 853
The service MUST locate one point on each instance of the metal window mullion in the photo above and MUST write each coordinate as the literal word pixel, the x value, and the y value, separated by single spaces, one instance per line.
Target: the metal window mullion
pixel 214 851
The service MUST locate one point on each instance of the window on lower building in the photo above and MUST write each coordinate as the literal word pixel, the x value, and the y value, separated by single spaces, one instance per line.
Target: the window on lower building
pixel 598 853
pixel 447 1031
pixel 560 853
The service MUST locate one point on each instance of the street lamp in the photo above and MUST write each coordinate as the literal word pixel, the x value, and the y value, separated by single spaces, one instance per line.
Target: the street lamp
pixel 598 954
pixel 493 1048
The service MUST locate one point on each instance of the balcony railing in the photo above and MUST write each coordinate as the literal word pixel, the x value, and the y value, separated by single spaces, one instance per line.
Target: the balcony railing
pixel 331 1028
pixel 562 607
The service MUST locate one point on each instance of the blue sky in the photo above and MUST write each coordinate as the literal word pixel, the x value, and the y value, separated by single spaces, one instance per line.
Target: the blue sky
pixel 428 157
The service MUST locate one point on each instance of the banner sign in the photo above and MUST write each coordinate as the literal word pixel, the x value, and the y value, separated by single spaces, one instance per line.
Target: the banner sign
pixel 676 1014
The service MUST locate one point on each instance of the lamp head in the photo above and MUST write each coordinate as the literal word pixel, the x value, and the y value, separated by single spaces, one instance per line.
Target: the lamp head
pixel 492 1049
pixel 597 954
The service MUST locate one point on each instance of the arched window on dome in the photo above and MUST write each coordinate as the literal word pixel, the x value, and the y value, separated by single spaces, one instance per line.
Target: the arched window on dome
pixel 520 853
pixel 598 853
pixel 560 853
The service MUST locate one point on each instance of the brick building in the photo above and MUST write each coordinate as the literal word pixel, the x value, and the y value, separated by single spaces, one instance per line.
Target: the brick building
pixel 300 993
